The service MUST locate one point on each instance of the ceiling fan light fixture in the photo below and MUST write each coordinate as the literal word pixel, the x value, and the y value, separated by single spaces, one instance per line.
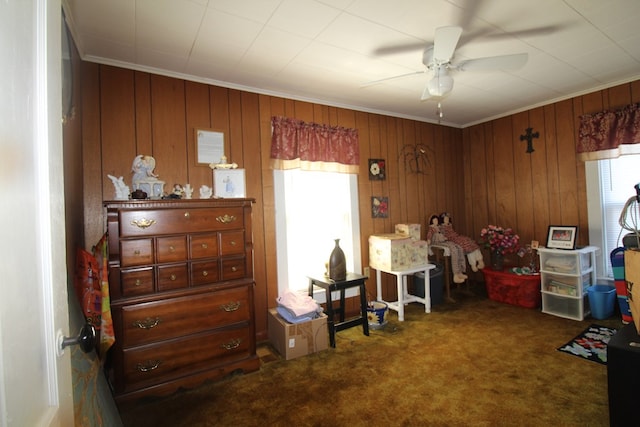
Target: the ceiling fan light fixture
pixel 441 84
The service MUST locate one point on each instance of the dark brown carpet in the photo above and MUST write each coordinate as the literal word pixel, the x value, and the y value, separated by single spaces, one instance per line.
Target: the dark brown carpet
pixel 474 362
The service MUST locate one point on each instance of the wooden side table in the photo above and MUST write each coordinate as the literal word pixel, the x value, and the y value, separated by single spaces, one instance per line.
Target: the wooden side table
pixel 353 280
pixel 403 295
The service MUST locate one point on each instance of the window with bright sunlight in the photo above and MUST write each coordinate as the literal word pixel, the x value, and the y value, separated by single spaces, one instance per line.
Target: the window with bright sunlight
pixel 312 210
pixel 616 180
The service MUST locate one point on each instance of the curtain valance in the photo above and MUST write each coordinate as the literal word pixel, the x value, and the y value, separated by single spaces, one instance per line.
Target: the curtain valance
pixel 311 146
pixel 609 134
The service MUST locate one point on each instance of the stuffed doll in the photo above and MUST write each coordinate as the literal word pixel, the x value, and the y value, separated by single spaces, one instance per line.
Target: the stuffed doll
pixel 469 246
pixel 435 236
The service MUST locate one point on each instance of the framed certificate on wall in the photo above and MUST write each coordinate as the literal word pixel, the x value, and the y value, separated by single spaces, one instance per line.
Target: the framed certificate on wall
pixel 229 183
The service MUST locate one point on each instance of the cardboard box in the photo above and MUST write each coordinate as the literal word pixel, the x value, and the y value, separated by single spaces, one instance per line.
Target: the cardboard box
pixel 297 339
pixel 396 252
pixel 410 230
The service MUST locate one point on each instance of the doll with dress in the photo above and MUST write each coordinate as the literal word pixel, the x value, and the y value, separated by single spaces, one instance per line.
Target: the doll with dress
pixel 468 245
pixel 435 236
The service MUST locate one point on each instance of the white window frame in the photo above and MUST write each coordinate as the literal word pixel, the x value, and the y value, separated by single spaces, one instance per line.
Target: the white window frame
pixel 284 257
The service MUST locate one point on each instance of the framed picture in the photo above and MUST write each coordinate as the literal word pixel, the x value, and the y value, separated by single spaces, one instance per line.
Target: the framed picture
pixel 377 170
pixel 229 183
pixel 209 146
pixel 379 207
pixel 562 237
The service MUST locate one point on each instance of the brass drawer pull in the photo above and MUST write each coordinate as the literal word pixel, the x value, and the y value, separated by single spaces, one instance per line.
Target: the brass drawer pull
pixel 204 246
pixel 205 273
pixel 143 222
pixel 231 306
pixel 147 323
pixel 232 243
pixel 234 268
pixel 187 215
pixel 138 282
pixel 234 343
pixel 172 249
pixel 149 365
pixel 226 219
pixel 172 277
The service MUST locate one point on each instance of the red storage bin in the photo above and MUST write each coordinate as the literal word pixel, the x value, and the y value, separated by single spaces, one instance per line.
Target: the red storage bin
pixel 508 287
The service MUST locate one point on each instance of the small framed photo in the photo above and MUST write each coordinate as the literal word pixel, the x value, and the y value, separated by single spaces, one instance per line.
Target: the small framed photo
pixel 229 183
pixel 379 207
pixel 562 237
pixel 377 170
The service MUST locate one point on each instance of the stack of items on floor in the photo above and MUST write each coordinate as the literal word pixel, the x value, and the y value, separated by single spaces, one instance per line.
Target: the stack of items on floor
pixel 402 250
pixel 297 326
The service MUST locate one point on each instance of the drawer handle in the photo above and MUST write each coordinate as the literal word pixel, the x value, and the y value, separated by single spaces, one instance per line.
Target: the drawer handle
pixel 226 219
pixel 172 249
pixel 231 306
pixel 233 243
pixel 204 246
pixel 143 222
pixel 234 268
pixel 149 365
pixel 147 323
pixel 172 277
pixel 234 343
pixel 205 273
pixel 187 215
pixel 138 282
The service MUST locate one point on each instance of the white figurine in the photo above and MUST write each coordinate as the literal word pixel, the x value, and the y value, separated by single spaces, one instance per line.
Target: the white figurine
pixel 205 192
pixel 188 191
pixel 144 178
pixel 122 190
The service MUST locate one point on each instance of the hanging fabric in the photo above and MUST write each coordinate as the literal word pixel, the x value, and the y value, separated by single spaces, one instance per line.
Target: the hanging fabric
pixel 609 134
pixel 311 146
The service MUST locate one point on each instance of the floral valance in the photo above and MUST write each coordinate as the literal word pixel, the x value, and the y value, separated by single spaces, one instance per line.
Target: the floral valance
pixel 311 146
pixel 609 134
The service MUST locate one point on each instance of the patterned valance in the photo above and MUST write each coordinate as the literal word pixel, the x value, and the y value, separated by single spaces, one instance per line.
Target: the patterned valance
pixel 311 146
pixel 609 134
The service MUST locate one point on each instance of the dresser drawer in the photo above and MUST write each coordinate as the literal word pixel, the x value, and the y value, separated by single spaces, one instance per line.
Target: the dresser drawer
pixel 171 249
pixel 173 277
pixel 164 361
pixel 136 252
pixel 161 320
pixel 183 220
pixel 204 245
pixel 204 272
pixel 137 282
pixel 233 268
pixel 232 242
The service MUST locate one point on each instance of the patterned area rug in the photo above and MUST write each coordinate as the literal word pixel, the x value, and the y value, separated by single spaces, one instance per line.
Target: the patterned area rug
pixel 591 344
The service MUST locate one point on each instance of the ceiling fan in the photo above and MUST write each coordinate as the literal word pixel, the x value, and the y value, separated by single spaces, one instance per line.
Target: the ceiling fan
pixel 438 60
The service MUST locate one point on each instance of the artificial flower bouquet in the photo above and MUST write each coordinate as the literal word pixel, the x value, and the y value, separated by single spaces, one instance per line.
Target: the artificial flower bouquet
pixel 500 240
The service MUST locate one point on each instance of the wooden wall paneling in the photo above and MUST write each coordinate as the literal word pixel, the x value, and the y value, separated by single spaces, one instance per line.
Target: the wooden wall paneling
pixel 144 139
pixel 523 177
pixel 619 97
pixel 305 111
pixel 198 115
pixel 412 178
pixel 364 191
pixel 504 173
pixel 168 121
pixel 453 142
pixel 539 173
pixel 554 216
pixel 635 91
pixel 487 129
pixel 592 103
pixel 431 186
pixel 581 178
pixel 92 170
pixel 219 110
pixel 567 174
pixel 235 135
pixel 117 124
pixel 475 173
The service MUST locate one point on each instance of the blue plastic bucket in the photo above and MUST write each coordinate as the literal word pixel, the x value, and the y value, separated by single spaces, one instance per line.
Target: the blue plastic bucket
pixel 602 300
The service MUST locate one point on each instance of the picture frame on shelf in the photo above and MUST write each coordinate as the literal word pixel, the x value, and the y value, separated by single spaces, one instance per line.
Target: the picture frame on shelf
pixel 229 183
pixel 562 237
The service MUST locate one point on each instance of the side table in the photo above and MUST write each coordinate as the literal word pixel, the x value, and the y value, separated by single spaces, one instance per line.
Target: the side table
pixel 353 280
pixel 403 295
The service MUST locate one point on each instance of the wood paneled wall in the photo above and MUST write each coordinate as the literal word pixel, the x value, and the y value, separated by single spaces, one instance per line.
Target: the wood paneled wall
pixel 480 175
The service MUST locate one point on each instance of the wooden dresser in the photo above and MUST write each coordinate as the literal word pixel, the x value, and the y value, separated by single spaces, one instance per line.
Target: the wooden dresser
pixel 181 286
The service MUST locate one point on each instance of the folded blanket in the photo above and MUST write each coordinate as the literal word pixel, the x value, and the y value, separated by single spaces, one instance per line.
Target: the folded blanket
pixel 297 303
pixel 291 318
pixel 561 264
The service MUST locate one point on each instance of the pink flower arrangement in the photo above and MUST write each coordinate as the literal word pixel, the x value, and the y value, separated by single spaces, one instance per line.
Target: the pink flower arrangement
pixel 500 240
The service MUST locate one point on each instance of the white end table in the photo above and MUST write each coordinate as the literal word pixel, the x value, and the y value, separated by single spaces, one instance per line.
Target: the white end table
pixel 403 295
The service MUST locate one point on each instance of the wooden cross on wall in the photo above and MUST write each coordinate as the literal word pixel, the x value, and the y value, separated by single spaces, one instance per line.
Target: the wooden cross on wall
pixel 529 138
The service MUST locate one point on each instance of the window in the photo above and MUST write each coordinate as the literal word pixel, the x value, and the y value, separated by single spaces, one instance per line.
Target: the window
pixel 610 183
pixel 312 210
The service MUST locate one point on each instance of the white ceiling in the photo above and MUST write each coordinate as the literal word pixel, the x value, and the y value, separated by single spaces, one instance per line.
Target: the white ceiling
pixel 323 51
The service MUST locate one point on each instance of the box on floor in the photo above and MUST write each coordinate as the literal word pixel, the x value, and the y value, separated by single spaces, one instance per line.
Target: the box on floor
pixel 297 339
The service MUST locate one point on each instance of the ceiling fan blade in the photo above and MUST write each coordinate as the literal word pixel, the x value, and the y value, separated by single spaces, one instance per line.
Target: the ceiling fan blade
pixel 374 82
pixel 502 62
pixel 445 43
pixel 392 49
pixel 425 93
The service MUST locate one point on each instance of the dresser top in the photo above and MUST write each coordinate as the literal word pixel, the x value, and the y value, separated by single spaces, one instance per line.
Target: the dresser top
pixel 176 203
